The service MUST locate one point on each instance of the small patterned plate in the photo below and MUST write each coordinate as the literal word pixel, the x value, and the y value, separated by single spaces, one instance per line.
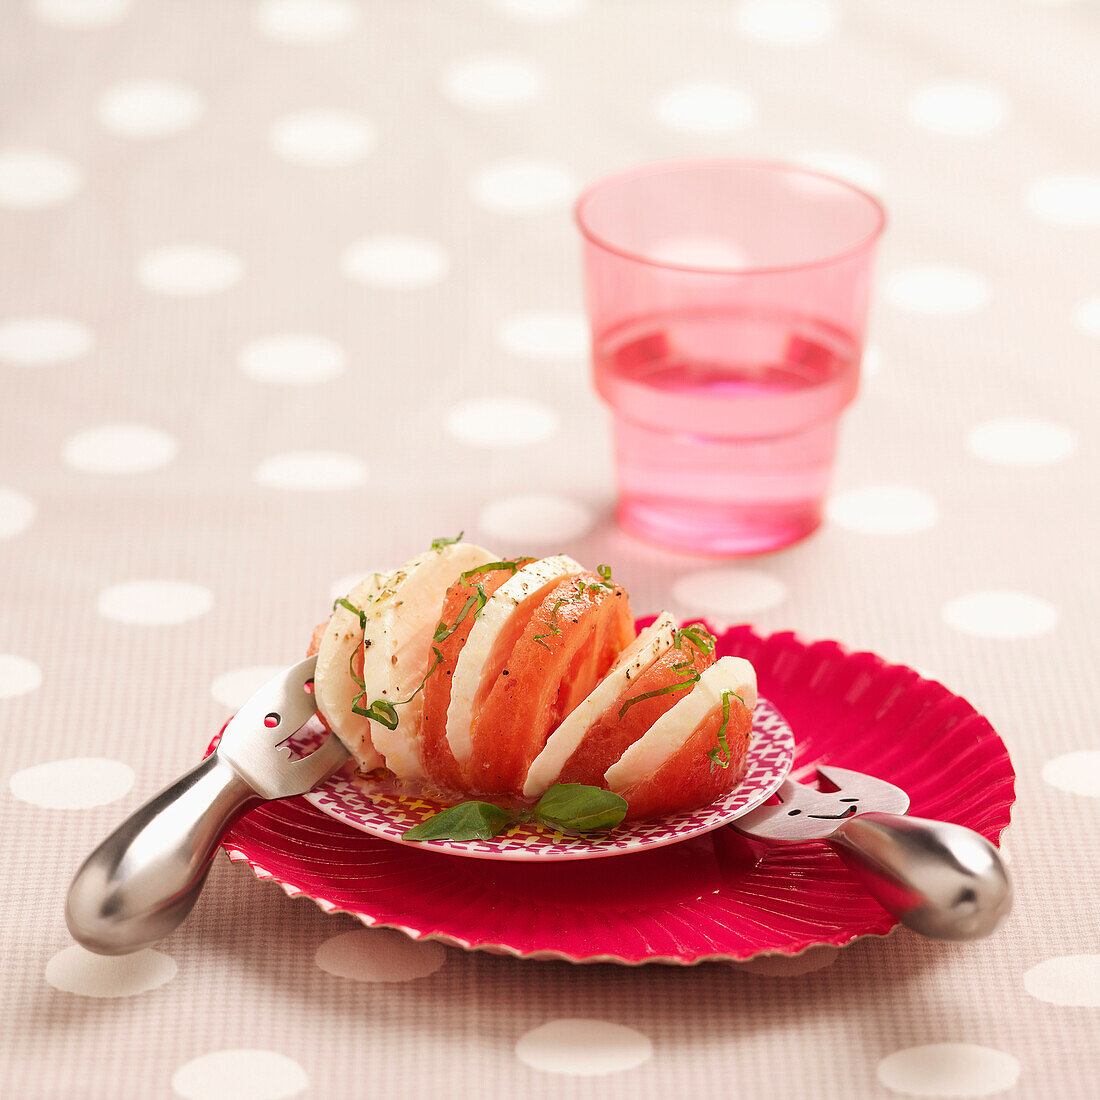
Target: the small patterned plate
pixel 348 798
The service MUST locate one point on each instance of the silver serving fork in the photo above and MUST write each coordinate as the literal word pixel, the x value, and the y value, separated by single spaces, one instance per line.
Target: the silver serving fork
pixel 142 881
pixel 940 879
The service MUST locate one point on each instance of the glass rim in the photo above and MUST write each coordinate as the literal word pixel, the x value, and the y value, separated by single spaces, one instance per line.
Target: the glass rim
pixel 660 167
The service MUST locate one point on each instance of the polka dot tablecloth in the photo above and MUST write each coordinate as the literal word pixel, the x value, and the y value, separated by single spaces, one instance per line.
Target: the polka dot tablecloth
pixel 289 287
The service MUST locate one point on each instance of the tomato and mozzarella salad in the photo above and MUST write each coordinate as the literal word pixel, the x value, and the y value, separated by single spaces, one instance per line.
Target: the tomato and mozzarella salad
pixel 461 674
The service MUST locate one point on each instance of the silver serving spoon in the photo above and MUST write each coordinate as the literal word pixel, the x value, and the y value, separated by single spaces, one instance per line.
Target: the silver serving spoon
pixel 142 881
pixel 942 880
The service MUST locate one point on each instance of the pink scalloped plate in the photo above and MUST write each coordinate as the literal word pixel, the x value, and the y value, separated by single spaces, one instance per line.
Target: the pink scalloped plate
pixel 347 798
pixel 714 896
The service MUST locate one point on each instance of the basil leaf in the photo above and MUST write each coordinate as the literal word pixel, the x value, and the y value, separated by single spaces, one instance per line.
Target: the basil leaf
pixel 720 754
pixel 380 711
pixel 342 602
pixel 466 821
pixel 580 808
pixel 698 635
pixel 491 567
pixel 438 544
pixel 676 685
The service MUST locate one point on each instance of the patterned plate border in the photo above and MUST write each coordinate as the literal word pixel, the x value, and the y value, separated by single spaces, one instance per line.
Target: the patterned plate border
pixel 348 799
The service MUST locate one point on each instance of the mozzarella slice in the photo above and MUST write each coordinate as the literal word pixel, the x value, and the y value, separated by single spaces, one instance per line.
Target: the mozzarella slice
pixel 562 743
pixel 524 584
pixel 333 686
pixel 397 642
pixel 669 733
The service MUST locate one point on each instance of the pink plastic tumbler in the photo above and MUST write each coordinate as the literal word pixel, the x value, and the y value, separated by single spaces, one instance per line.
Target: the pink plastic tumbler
pixel 728 301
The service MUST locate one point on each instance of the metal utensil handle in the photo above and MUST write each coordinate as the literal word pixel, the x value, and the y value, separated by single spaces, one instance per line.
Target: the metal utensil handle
pixel 940 879
pixel 141 882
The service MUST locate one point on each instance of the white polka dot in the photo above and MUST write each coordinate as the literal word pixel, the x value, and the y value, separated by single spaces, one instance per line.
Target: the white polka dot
pixel 379 955
pixel 149 108
pixel 1072 980
pixel 395 263
pixel 75 970
pixel 306 22
pixel 1086 316
pixel 729 592
pixel 119 449
pixel 1000 614
pixel 184 270
pixel 539 11
pixel 698 251
pixel 949 1069
pixel 1072 199
pixel 545 334
pixel 1021 441
pixel 791 966
pixel 73 784
pixel 583 1048
pixel 311 471
pixel 883 510
pixel 937 290
pixel 706 107
pixel 232 689
pixel 491 82
pixel 154 602
pixel 958 108
pixel 41 341
pixel 852 167
pixel 17 512
pixel 77 14
pixel 501 422
pixel 31 179
pixel 1076 772
pixel 786 22
pixel 536 518
pixel 523 186
pixel 18 676
pixel 871 364
pixel 240 1074
pixel 292 359
pixel 322 138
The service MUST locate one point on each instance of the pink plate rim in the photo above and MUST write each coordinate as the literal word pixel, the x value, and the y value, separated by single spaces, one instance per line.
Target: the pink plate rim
pixel 547 955
pixel 828 692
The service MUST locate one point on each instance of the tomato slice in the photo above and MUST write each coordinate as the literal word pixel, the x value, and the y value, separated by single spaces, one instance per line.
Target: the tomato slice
pixel 657 689
pixel 439 761
pixel 688 779
pixel 670 768
pixel 565 648
pixel 315 641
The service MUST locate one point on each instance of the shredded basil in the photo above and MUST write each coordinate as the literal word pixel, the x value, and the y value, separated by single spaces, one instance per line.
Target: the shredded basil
pixel 699 637
pixel 438 544
pixel 342 602
pixel 475 603
pixel 555 627
pixel 491 567
pixel 685 681
pixel 382 710
pixel 720 755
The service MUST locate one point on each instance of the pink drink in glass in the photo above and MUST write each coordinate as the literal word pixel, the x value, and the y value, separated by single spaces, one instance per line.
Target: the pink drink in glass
pixel 728 302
